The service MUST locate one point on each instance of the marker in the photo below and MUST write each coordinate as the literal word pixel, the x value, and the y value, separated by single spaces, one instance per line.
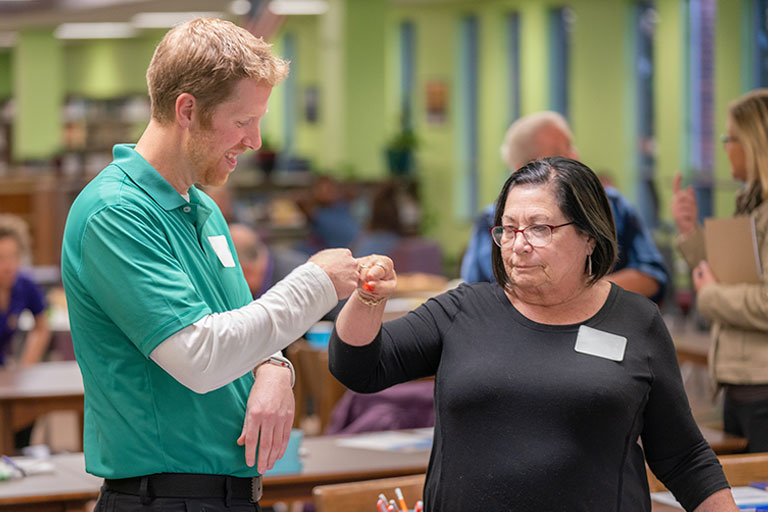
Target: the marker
pixel 401 500
pixel 381 505
pixel 13 464
pixel 383 498
pixel 369 287
pixel 419 507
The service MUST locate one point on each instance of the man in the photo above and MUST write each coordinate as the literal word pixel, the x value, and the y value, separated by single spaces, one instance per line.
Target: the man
pixel 262 266
pixel 168 339
pixel 640 267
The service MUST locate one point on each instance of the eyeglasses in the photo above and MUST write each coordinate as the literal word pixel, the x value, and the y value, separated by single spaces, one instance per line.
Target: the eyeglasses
pixel 537 235
pixel 725 139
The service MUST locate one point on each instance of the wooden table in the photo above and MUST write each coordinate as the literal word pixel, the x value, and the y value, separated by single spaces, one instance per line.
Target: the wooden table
pixel 324 462
pixel 26 393
pixel 67 489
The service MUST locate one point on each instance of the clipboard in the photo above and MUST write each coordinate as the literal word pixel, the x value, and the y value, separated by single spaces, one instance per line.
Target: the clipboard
pixel 732 249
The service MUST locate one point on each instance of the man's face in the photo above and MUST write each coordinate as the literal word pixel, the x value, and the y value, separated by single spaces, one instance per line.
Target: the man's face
pixel 234 128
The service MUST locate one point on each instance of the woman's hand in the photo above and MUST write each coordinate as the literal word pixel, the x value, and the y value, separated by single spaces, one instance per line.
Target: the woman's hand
pixel 360 319
pixel 703 276
pixel 377 278
pixel 685 211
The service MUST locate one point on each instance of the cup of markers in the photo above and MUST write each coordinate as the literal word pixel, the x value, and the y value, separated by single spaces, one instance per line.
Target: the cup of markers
pixel 384 505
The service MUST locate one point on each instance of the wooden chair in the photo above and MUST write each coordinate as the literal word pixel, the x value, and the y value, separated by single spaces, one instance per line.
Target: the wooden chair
pixel 314 380
pixel 362 496
pixel 739 469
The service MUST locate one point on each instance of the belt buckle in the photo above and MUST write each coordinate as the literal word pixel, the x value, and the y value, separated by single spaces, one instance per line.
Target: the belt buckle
pixel 256 489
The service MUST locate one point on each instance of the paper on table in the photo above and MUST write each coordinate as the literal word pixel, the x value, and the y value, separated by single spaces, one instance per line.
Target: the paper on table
pixel 12 468
pixel 396 441
pixel 743 496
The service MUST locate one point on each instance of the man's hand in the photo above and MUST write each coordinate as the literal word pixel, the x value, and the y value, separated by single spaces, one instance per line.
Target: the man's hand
pixel 269 416
pixel 684 209
pixel 341 267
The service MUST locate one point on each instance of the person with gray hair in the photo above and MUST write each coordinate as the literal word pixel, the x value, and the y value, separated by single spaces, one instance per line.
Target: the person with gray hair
pixel 640 267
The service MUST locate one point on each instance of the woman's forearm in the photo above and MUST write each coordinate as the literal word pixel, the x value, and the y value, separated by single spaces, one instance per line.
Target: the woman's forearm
pixel 358 323
pixel 360 319
pixel 37 341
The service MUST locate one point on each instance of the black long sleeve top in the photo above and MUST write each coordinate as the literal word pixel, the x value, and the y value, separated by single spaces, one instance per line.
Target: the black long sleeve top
pixel 523 422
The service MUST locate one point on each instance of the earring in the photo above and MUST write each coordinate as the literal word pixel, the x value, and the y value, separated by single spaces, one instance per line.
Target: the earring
pixel 589 264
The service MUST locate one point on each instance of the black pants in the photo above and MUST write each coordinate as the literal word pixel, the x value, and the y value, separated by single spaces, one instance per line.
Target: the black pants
pixel 748 419
pixel 111 501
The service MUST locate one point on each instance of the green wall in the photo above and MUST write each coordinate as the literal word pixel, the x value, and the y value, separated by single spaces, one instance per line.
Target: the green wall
pixel 6 87
pixel 350 57
pixel 357 49
pixel 109 68
pixel 38 88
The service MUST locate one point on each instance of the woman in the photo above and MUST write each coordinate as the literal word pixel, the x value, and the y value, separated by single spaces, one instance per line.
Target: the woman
pixel 739 313
pixel 19 293
pixel 546 380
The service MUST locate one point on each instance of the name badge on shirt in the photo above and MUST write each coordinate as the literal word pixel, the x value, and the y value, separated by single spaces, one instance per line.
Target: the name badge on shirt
pixel 595 342
pixel 221 247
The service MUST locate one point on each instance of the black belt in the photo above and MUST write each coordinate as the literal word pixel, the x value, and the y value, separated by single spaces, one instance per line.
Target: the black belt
pixel 188 485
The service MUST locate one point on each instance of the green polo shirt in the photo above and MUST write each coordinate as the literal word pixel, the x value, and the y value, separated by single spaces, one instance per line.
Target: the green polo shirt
pixel 140 263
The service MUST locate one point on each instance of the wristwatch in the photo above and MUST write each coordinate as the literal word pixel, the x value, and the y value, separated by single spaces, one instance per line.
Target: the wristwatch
pixel 278 361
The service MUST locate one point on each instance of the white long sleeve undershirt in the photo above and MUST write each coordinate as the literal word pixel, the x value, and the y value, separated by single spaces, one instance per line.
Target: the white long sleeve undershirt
pixel 222 347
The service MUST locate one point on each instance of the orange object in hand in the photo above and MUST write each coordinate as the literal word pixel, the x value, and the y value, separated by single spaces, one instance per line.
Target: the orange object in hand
pixel 369 287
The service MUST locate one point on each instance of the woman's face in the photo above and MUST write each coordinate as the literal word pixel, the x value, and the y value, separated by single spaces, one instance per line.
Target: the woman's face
pixel 735 152
pixel 560 263
pixel 10 259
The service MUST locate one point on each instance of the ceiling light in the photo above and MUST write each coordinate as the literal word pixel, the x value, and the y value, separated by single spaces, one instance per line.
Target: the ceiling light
pixel 168 19
pixel 95 31
pixel 298 7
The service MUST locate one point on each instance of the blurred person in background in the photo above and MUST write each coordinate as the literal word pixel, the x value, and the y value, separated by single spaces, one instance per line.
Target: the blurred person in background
pixel 640 267
pixel 738 357
pixel 329 214
pixel 263 266
pixel 19 293
pixel 385 227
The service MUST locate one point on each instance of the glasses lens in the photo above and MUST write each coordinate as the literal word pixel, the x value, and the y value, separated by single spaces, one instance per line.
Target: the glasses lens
pixel 538 235
pixel 497 233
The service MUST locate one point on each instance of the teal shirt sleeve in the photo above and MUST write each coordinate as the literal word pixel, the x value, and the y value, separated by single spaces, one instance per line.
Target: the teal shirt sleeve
pixel 130 269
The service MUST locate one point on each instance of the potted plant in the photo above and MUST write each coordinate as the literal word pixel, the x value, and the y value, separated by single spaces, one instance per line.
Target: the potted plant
pixel 399 152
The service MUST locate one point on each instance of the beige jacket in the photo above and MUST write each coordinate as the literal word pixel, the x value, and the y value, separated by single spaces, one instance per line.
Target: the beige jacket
pixel 739 314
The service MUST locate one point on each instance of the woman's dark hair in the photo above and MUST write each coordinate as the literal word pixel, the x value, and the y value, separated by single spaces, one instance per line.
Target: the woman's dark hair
pixel 581 198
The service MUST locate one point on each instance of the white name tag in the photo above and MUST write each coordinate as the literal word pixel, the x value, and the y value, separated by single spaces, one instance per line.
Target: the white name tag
pixel 221 247
pixel 598 343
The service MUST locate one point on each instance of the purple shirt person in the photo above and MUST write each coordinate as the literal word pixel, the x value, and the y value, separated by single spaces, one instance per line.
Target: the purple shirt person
pixel 19 293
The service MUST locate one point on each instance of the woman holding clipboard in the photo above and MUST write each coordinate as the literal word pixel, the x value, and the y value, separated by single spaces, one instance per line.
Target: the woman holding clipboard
pixel 738 312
